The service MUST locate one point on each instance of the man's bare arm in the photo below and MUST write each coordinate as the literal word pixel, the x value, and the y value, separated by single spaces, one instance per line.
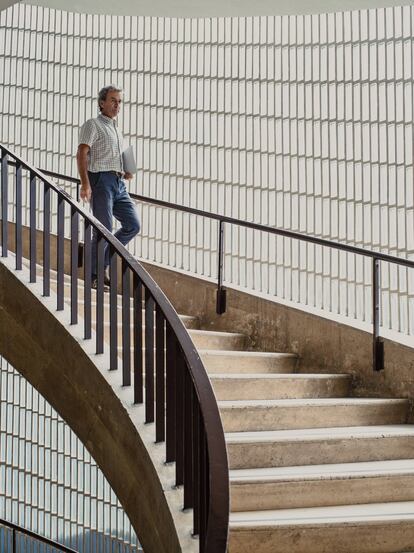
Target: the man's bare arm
pixel 82 159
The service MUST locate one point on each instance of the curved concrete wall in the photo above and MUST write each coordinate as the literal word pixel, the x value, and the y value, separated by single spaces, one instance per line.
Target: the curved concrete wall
pixel 36 343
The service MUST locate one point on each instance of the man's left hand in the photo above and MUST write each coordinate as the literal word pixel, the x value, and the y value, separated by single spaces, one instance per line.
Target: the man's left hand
pixel 128 176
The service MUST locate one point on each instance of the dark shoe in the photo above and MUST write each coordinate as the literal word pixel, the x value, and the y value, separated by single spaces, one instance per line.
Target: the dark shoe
pixel 94 283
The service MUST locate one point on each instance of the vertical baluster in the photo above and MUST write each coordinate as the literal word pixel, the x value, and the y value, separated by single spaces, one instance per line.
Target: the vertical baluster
pixel 138 368
pixel 18 229
pixel 113 310
pixel 203 487
pixel 126 326
pixel 4 203
pixel 60 252
pixel 74 243
pixel 159 376
pixel 179 419
pixel 196 466
pixel 87 252
pixel 46 240
pixel 100 294
pixel 149 357
pixel 378 344
pixel 32 229
pixel 221 292
pixel 170 394
pixel 188 440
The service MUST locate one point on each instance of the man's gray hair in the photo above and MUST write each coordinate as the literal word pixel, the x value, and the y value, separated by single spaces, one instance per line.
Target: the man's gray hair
pixel 103 93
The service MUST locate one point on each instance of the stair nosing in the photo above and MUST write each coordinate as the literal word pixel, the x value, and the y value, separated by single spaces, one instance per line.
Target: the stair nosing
pixel 317 434
pixel 280 376
pixel 311 402
pixel 322 516
pixel 332 471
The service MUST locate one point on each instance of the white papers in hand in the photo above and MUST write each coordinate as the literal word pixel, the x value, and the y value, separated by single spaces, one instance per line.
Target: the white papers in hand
pixel 128 160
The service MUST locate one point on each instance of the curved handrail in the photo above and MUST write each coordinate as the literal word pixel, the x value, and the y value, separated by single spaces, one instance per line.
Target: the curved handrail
pixel 207 462
pixel 375 256
pixel 19 529
pixel 255 226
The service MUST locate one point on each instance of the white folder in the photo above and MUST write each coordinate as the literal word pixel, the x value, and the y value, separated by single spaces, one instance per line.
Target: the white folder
pixel 128 161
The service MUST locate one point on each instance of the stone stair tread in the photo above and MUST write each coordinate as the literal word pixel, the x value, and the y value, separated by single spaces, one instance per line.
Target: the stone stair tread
pixel 216 333
pixel 253 354
pixel 309 401
pixel 279 376
pixel 331 515
pixel 309 434
pixel 182 317
pixel 328 471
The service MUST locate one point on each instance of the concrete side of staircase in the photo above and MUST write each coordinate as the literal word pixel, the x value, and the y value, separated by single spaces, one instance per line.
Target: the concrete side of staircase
pixel 64 369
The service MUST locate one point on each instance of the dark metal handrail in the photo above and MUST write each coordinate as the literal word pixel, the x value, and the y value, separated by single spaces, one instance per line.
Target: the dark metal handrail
pixel 254 226
pixel 20 530
pixel 376 257
pixel 178 393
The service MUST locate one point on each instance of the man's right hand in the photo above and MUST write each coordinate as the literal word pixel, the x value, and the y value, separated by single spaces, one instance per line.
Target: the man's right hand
pixel 85 192
pixel 82 160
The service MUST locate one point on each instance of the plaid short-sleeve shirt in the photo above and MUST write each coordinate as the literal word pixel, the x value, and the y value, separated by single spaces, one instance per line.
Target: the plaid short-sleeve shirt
pixel 106 144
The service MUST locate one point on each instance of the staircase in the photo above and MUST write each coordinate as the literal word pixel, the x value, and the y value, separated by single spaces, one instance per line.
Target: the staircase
pixel 313 470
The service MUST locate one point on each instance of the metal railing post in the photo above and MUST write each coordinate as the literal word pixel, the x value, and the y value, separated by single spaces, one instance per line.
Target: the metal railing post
pixel 377 343
pixel 221 291
pixel 4 204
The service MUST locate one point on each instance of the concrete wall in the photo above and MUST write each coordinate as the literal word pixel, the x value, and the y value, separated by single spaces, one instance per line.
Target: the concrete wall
pixel 36 344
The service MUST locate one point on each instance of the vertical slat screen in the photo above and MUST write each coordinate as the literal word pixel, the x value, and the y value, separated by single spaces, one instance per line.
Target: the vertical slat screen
pixel 300 122
pixel 49 483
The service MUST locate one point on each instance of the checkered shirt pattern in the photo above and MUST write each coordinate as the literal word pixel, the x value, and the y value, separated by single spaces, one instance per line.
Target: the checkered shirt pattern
pixel 106 144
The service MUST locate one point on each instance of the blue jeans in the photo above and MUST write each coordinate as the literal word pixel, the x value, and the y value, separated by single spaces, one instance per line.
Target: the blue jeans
pixel 111 199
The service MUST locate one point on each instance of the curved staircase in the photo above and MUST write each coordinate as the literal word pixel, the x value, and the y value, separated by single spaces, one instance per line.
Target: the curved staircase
pixel 312 469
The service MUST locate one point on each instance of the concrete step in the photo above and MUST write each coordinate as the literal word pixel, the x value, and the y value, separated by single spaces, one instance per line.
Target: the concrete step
pixel 203 339
pixel 213 340
pixel 218 361
pixel 226 339
pixel 279 386
pixel 372 528
pixel 189 321
pixel 284 448
pixel 289 414
pixel 322 485
pixel 67 291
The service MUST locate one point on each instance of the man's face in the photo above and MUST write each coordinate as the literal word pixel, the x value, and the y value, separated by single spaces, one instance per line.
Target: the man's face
pixel 111 106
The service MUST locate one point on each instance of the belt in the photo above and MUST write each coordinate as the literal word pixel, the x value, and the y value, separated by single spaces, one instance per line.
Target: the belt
pixel 117 173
